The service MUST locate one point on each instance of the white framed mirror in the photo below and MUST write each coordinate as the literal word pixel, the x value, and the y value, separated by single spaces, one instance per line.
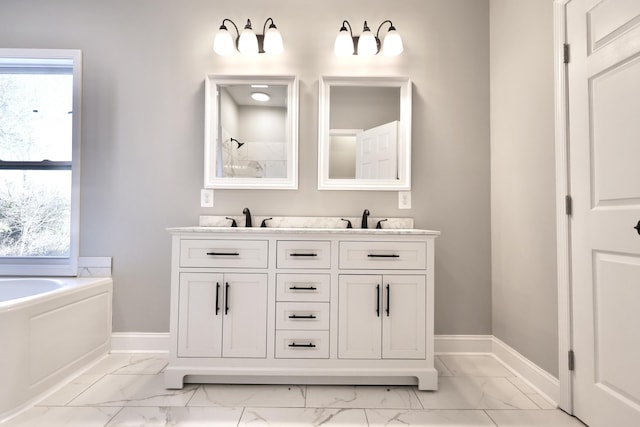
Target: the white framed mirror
pixel 364 133
pixel 251 132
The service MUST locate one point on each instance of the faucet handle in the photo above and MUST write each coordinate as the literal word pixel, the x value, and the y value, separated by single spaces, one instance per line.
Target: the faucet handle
pixel 263 224
pixel 348 222
pixel 233 221
pixel 379 224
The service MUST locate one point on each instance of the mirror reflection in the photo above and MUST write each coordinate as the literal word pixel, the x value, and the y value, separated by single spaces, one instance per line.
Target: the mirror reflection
pixel 363 132
pixel 364 139
pixel 253 122
pixel 251 132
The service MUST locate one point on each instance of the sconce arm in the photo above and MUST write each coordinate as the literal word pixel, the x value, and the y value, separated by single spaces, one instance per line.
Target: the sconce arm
pixel 232 23
pixel 391 27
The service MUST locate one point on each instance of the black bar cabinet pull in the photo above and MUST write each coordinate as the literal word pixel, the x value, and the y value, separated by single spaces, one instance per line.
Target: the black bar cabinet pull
pixel 217 298
pixel 388 298
pixel 378 300
pixel 303 254
pixel 309 345
pixel 302 288
pixel 306 316
pixel 226 298
pixel 383 256
pixel 223 253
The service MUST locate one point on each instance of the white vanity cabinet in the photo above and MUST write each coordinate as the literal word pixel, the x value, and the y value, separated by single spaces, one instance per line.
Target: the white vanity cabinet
pixel 302 306
pixel 382 316
pixel 222 315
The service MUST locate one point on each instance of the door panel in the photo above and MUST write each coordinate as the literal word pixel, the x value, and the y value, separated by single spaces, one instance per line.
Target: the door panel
pixel 604 148
pixel 245 322
pixel 403 324
pixel 377 152
pixel 359 320
pixel 200 327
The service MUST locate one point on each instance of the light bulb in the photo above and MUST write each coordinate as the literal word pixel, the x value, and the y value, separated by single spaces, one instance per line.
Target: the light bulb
pixel 273 40
pixel 367 45
pixel 248 42
pixel 392 43
pixel 343 45
pixel 223 42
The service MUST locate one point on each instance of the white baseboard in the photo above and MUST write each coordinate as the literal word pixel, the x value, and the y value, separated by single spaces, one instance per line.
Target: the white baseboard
pixel 543 382
pixel 139 342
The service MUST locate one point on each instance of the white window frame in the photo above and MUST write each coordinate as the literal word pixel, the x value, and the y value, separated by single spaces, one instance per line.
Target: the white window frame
pixel 54 266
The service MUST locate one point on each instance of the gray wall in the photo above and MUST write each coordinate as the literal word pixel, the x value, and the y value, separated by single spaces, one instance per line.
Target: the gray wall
pixel 142 159
pixel 525 303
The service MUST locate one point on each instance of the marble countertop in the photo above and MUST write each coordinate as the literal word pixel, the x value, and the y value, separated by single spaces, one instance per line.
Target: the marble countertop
pixel 306 230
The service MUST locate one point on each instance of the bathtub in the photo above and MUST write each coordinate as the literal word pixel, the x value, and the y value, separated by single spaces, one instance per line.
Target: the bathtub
pixel 49 329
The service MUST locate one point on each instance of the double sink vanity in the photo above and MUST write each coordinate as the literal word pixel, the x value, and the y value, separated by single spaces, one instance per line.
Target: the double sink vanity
pixel 304 300
pixel 307 302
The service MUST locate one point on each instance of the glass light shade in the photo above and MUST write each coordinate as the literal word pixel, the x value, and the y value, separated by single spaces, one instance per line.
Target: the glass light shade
pixel 248 42
pixel 367 45
pixel 392 44
pixel 343 45
pixel 223 43
pixel 273 41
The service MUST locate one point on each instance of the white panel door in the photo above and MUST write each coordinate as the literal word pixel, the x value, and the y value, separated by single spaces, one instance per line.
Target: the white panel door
pixel 604 135
pixel 244 328
pixel 377 152
pixel 403 324
pixel 200 315
pixel 359 316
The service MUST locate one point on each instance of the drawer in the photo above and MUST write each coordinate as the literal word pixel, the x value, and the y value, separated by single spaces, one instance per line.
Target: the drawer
pixel 303 287
pixel 224 253
pixel 302 315
pixel 303 254
pixel 383 255
pixel 302 344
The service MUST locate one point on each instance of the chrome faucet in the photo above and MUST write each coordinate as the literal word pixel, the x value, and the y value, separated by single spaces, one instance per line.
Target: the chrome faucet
pixel 247 216
pixel 365 214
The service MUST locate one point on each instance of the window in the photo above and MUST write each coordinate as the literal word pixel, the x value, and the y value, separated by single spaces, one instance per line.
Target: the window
pixel 40 93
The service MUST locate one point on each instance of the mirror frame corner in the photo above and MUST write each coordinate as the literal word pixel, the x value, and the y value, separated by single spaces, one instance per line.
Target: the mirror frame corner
pixel 403 183
pixel 290 182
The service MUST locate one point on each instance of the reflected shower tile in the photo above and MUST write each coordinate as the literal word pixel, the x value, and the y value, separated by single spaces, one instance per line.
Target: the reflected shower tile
pixel 303 417
pixel 237 395
pixel 475 393
pixel 403 397
pixel 475 366
pixel 176 417
pixel 432 418
pixel 133 390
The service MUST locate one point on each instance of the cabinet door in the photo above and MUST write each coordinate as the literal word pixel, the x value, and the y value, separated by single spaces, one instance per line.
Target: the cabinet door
pixel 245 315
pixel 403 324
pixel 359 322
pixel 199 325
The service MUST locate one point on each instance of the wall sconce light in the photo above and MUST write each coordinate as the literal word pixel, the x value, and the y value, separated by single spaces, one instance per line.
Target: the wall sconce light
pixel 248 42
pixel 367 44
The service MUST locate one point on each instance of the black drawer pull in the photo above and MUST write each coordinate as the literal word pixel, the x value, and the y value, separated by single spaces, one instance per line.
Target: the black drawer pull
pixel 223 253
pixel 300 288
pixel 303 254
pixel 306 316
pixel 383 256
pixel 309 345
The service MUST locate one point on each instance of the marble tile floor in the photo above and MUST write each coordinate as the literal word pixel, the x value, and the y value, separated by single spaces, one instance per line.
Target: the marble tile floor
pixel 128 390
